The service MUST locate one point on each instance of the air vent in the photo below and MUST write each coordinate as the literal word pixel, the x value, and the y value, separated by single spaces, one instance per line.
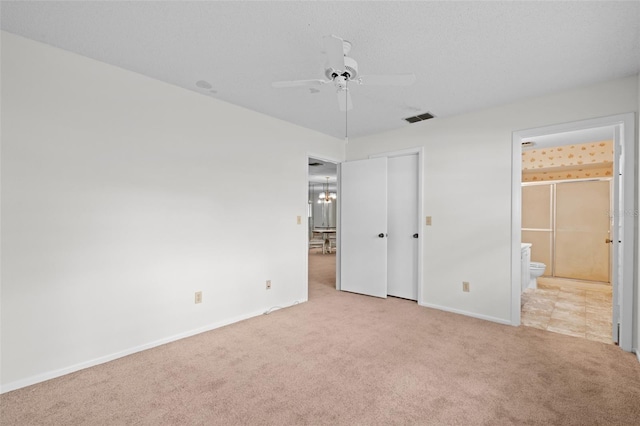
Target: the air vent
pixel 421 117
pixel 315 164
pixel 528 144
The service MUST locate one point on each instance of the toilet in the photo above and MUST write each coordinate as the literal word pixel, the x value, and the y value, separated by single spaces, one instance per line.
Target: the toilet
pixel 536 269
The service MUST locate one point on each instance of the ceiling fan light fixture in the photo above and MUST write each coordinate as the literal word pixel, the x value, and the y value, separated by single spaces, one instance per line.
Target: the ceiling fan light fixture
pixel 341 70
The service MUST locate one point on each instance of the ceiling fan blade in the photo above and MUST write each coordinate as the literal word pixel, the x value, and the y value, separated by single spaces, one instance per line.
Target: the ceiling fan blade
pixel 333 46
pixel 387 80
pixel 344 100
pixel 297 83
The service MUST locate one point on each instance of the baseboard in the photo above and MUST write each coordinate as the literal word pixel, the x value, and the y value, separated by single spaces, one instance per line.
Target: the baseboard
pixel 468 314
pixel 101 360
pixel 638 354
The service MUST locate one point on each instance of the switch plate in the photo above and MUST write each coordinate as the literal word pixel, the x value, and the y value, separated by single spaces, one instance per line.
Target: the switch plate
pixel 428 221
pixel 198 297
pixel 268 284
pixel 465 286
pixel 299 220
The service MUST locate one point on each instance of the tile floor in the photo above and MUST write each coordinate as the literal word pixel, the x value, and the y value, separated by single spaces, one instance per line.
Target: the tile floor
pixel 573 311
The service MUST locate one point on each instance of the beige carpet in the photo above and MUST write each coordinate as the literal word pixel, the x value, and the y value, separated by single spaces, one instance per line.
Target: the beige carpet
pixel 345 359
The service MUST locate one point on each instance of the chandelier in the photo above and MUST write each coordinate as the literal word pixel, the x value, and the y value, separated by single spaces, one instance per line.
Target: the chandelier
pixel 326 196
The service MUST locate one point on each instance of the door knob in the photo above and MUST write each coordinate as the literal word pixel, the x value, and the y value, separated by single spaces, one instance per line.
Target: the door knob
pixel 608 241
pixel 381 235
pixel 415 235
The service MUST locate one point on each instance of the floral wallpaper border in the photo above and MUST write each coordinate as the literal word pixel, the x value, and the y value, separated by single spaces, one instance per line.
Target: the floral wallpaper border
pixel 578 161
pixel 571 155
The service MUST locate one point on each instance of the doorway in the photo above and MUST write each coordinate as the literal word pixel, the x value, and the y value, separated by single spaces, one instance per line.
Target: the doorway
pixel 566 225
pixel 620 129
pixel 322 217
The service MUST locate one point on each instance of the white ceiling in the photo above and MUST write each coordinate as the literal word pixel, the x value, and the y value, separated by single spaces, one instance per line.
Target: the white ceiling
pixel 466 55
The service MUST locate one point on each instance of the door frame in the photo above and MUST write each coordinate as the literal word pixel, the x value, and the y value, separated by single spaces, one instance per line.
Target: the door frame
pixel 420 152
pixel 337 162
pixel 625 123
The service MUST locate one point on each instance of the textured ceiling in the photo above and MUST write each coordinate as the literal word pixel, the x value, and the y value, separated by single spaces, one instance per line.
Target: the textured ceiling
pixel 465 55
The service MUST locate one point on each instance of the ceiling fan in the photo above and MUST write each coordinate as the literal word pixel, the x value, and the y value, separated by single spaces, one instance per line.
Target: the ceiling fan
pixel 341 69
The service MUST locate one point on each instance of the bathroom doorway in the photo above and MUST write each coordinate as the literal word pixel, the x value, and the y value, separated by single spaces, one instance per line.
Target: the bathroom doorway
pixel 619 130
pixel 567 225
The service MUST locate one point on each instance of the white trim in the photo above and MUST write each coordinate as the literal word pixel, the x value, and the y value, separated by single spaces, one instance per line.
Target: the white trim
pixel 638 354
pixel 408 151
pixel 337 162
pixel 419 151
pixel 466 313
pixel 552 181
pixel 516 227
pixel 627 124
pixel 338 227
pixel 323 158
pixel 103 359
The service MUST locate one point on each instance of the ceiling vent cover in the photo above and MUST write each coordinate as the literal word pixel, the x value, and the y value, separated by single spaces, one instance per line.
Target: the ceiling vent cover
pixel 421 117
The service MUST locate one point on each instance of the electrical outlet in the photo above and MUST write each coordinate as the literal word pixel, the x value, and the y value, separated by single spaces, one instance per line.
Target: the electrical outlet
pixel 299 219
pixel 465 286
pixel 198 297
pixel 268 284
pixel 428 221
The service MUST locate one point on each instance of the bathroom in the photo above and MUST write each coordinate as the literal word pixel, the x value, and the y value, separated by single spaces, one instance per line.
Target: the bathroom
pixel 566 236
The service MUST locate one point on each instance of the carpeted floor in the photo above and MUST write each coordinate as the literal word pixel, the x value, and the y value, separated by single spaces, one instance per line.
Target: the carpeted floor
pixel 345 359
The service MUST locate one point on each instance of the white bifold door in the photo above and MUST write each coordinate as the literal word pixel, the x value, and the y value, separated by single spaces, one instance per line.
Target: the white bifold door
pixel 379 226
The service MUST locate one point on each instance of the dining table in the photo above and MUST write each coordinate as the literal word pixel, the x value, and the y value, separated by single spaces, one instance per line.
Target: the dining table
pixel 325 233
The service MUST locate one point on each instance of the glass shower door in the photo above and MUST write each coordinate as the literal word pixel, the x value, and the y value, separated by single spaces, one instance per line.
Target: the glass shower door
pixel 582 226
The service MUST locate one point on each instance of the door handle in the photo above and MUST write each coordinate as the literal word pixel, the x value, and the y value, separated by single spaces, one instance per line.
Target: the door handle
pixel 415 235
pixel 608 241
pixel 381 235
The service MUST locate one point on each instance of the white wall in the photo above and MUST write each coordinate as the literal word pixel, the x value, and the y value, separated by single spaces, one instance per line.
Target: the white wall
pixel 467 189
pixel 122 196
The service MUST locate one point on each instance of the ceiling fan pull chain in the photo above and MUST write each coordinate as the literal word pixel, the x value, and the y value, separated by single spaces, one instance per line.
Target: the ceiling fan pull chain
pixel 346 116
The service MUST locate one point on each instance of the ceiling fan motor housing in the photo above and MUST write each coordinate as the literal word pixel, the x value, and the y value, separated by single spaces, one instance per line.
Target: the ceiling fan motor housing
pixel 350 72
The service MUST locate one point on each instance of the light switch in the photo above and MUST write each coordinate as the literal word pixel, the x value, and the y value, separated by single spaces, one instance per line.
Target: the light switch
pixel 428 221
pixel 299 220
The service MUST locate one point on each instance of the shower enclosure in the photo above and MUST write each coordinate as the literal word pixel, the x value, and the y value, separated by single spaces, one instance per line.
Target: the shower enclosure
pixel 569 225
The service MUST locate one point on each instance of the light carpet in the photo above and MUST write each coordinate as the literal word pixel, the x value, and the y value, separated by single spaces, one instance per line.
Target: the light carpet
pixel 346 359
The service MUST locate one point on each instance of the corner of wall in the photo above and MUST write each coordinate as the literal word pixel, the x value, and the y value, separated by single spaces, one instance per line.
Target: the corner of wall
pixel 636 311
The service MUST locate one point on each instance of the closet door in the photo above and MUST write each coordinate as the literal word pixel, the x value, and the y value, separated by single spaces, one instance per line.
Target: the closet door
pixel 363 227
pixel 402 268
pixel 582 230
